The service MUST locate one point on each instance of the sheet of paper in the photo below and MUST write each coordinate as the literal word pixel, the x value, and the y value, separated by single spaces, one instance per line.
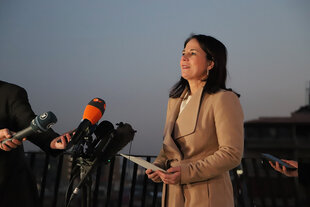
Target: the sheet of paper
pixel 142 162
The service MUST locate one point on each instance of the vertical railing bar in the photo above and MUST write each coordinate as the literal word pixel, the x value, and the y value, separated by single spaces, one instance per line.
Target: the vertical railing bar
pixel 97 183
pixel 145 178
pixel 247 180
pixel 121 186
pixel 155 194
pixel 238 187
pixel 256 174
pixel 43 183
pixel 110 181
pixel 58 178
pixel 133 185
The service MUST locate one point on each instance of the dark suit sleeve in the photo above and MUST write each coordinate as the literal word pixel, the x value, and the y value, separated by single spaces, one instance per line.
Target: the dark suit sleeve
pixel 304 173
pixel 22 114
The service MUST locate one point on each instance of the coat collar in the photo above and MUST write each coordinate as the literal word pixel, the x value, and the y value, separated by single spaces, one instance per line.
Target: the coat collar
pixel 185 123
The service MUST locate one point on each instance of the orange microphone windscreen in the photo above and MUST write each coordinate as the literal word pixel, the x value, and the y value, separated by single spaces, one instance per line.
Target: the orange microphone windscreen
pixel 94 110
pixel 93 114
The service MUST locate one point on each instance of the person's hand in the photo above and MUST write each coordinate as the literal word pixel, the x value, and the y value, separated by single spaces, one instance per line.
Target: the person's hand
pixel 8 145
pixel 284 170
pixel 153 176
pixel 172 176
pixel 61 141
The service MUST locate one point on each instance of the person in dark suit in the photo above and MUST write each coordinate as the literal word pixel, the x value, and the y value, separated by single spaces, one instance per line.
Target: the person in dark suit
pixel 17 183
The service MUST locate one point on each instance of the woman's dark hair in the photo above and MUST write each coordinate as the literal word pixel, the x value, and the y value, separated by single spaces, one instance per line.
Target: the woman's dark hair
pixel 216 51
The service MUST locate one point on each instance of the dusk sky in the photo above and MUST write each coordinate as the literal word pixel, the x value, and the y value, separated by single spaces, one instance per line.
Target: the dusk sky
pixel 66 52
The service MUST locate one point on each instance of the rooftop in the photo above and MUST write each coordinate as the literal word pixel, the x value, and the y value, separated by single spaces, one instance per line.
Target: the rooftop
pixel 300 116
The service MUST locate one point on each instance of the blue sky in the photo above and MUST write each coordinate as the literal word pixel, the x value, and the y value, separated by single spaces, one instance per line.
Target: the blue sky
pixel 127 52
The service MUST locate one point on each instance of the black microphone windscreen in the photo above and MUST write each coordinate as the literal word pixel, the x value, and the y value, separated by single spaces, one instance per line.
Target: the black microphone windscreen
pixel 84 129
pixel 124 133
pixel 103 133
pixel 103 128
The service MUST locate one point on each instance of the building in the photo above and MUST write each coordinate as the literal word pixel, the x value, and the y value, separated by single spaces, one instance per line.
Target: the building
pixel 287 137
pixel 283 137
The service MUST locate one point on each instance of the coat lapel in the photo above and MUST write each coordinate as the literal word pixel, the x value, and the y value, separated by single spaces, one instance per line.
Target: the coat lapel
pixel 183 124
pixel 172 115
pixel 186 121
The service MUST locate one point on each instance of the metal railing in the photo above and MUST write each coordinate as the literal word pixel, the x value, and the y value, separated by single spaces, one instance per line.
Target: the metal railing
pixel 121 183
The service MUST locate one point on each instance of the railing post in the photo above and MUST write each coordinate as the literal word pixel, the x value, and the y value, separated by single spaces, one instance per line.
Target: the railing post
pixel 43 183
pixel 110 182
pixel 121 186
pixel 58 178
pixel 133 185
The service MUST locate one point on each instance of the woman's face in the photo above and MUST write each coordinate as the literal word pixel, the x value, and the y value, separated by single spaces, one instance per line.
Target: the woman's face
pixel 194 64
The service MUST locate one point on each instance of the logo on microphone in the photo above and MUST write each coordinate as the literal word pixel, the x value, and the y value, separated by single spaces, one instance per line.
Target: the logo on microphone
pixel 33 123
pixel 44 116
pixel 97 100
pixel 50 125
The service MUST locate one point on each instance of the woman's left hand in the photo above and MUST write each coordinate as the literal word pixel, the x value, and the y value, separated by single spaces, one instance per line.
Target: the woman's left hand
pixel 173 175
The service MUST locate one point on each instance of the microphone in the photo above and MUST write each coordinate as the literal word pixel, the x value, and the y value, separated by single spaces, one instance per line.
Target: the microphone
pixel 112 141
pixel 103 133
pixel 39 124
pixel 92 113
pixel 93 146
pixel 123 134
pixel 103 128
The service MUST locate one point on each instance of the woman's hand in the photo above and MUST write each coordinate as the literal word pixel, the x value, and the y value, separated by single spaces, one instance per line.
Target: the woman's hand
pixel 61 141
pixel 153 176
pixel 8 145
pixel 283 169
pixel 172 176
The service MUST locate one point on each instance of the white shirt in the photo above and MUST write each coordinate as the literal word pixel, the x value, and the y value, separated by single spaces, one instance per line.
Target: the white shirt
pixel 185 102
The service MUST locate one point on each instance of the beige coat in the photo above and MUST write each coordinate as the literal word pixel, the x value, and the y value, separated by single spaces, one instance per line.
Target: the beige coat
pixel 206 140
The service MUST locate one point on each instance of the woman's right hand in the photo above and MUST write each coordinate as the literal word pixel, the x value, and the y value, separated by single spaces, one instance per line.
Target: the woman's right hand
pixel 153 176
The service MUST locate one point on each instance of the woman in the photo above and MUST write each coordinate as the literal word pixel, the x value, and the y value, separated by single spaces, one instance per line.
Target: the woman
pixel 203 136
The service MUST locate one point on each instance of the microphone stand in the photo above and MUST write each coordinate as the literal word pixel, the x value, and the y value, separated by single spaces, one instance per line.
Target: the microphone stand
pixel 82 166
pixel 86 164
pixel 85 182
pixel 88 159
